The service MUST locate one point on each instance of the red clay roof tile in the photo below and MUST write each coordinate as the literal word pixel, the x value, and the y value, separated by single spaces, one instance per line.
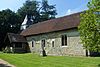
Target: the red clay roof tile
pixel 62 23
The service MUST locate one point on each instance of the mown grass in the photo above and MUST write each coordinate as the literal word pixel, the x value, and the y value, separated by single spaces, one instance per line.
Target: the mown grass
pixel 32 60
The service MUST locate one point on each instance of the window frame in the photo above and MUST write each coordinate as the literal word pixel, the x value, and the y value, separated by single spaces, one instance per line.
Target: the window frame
pixel 64 41
pixel 53 42
pixel 33 43
pixel 18 45
pixel 43 41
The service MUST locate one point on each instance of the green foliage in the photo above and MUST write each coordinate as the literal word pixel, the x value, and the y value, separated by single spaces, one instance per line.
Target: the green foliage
pixel 90 26
pixel 29 8
pixel 39 11
pixel 32 60
pixel 47 11
pixel 9 22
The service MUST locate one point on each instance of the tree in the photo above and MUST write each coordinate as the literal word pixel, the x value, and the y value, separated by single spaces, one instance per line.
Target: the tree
pixel 37 11
pixel 9 20
pixel 47 11
pixel 89 27
pixel 9 23
pixel 29 8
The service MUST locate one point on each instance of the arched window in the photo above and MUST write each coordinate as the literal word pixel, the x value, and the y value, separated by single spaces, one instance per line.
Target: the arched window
pixel 33 42
pixel 43 43
pixel 64 40
pixel 53 43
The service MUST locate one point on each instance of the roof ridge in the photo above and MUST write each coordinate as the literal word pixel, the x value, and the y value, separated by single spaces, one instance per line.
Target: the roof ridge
pixel 53 19
pixel 53 24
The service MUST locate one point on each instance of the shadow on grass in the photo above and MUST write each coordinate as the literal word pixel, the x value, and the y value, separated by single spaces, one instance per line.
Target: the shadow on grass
pixel 98 65
pixel 4 65
pixel 94 54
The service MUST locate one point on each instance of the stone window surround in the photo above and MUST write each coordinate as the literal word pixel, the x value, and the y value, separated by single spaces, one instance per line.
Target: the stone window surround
pixel 33 42
pixel 64 45
pixel 53 40
pixel 44 41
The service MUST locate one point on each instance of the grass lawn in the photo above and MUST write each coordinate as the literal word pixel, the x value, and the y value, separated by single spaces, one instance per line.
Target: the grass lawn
pixel 32 60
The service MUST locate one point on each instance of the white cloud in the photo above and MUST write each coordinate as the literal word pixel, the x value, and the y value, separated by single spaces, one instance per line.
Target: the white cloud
pixel 68 12
pixel 11 4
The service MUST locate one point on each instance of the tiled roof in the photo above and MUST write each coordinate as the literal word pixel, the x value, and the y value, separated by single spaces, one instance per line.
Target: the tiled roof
pixel 62 23
pixel 16 38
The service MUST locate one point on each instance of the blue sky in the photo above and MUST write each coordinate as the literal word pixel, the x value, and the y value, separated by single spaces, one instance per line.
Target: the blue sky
pixel 63 7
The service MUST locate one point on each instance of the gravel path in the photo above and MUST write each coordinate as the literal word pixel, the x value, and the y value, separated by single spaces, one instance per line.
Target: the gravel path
pixel 5 64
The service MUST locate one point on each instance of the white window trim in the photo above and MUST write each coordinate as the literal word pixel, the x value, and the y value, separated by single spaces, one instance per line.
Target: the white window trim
pixel 64 46
pixel 52 41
